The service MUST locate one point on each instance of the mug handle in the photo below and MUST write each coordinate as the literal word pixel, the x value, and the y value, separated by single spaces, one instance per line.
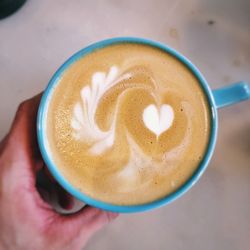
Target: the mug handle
pixel 232 94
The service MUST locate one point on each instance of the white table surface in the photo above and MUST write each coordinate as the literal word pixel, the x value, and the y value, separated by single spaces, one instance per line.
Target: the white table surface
pixel 215 214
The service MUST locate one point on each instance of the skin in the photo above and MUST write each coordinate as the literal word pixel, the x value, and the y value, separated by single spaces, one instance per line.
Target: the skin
pixel 26 220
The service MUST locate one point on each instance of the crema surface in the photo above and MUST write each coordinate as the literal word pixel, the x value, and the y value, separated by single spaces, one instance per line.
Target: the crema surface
pixel 128 124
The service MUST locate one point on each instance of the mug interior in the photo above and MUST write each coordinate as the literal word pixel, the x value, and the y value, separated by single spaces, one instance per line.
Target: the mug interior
pixel 43 143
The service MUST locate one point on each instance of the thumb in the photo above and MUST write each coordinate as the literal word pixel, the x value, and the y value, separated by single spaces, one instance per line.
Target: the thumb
pixel 22 135
pixel 86 222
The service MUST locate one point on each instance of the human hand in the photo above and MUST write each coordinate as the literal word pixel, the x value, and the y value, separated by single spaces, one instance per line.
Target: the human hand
pixel 27 222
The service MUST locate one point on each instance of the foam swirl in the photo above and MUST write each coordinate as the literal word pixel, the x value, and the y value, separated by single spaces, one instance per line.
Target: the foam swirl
pixel 83 121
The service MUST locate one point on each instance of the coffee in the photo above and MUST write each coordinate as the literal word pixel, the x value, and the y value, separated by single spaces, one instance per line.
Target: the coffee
pixel 127 124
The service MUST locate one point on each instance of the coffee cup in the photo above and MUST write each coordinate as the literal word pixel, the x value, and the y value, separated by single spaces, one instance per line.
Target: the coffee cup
pixel 216 99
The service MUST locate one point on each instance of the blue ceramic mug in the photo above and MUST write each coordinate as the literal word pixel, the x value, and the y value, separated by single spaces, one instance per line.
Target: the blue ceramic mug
pixel 216 99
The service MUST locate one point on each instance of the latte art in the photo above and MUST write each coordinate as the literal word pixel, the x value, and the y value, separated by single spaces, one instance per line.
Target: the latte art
pixel 158 121
pixel 83 122
pixel 127 124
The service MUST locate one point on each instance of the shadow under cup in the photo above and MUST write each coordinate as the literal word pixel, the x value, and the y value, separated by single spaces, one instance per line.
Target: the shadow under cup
pixel 212 103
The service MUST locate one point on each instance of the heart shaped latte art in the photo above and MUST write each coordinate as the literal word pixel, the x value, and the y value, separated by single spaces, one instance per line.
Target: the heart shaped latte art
pixel 158 120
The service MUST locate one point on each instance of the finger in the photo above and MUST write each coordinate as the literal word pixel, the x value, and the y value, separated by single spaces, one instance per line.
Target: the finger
pixel 22 137
pixel 86 222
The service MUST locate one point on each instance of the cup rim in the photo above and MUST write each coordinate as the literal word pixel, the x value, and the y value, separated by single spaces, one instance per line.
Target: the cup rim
pixel 41 125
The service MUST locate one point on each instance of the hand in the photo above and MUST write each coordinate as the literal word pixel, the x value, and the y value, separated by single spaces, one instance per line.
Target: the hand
pixel 27 222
